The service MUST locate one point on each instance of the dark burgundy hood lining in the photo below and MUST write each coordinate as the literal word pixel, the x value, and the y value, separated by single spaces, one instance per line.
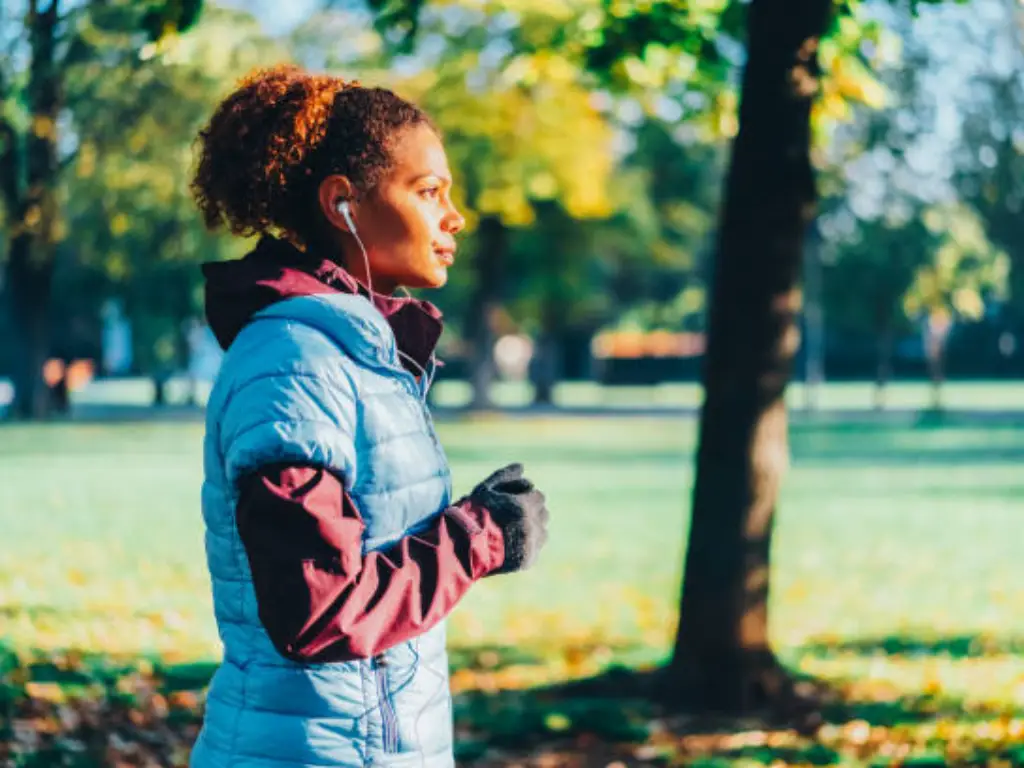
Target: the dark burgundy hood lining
pixel 276 270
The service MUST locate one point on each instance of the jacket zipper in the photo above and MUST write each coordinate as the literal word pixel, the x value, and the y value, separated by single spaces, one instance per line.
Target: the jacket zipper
pixel 389 720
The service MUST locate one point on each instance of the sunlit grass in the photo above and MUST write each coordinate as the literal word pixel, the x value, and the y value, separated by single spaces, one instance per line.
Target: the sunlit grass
pixel 882 531
pixel 896 565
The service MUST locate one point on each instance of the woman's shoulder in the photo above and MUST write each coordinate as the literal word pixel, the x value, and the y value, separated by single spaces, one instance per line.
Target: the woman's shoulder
pixel 278 340
pixel 283 390
pixel 272 352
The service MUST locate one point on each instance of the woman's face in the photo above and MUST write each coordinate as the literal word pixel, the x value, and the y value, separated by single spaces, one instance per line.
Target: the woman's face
pixel 407 223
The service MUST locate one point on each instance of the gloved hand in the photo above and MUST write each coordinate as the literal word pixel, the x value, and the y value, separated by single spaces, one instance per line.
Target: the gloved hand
pixel 518 508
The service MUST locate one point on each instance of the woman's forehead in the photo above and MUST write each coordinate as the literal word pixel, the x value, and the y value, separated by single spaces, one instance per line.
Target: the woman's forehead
pixel 417 152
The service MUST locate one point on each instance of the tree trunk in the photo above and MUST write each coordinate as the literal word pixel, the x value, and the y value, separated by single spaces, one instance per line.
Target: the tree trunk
pixel 33 210
pixel 722 659
pixel 936 336
pixel 159 381
pixel 484 306
pixel 546 366
pixel 28 293
pixel 937 374
pixel 814 321
pixel 545 369
pixel 883 371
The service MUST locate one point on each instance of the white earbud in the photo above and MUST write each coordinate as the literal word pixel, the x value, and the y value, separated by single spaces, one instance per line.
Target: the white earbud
pixel 346 211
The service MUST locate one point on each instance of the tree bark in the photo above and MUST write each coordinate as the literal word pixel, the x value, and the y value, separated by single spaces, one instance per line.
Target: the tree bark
pixel 722 660
pixel 937 374
pixel 883 371
pixel 546 366
pixel 814 321
pixel 484 306
pixel 32 205
pixel 936 336
pixel 28 284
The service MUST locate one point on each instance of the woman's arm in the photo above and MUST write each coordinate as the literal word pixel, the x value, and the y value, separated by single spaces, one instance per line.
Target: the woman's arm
pixel 286 417
pixel 320 599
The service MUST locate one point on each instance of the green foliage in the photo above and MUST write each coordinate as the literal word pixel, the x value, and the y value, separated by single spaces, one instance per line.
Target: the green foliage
pixel 671 47
pixel 128 191
pixel 989 166
pixel 901 250
pixel 519 127
pixel 647 32
pixel 398 17
pixel 121 134
pixel 646 42
pixel 172 16
pixel 937 263
pixel 962 272
pixel 868 275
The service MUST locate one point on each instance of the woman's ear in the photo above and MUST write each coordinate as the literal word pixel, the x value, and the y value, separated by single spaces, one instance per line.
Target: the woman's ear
pixel 333 191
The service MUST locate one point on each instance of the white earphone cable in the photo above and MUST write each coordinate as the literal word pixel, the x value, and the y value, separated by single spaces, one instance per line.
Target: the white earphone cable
pixel 344 210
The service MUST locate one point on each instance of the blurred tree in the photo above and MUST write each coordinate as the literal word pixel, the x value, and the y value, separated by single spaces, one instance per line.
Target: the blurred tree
pixel 723 659
pixel 872 213
pixel 559 289
pixel 959 276
pixel 128 195
pixel 666 202
pixel 989 172
pixel 905 247
pixel 42 43
pixel 864 285
pixel 931 265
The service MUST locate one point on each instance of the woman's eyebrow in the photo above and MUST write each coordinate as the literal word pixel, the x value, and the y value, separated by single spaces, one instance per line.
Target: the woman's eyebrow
pixel 440 176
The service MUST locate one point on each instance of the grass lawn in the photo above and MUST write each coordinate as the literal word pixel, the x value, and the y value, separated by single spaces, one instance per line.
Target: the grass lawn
pixel 851 396
pixel 897 569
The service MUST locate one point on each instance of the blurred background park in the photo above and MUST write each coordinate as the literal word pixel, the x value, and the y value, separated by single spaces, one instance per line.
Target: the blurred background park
pixel 591 142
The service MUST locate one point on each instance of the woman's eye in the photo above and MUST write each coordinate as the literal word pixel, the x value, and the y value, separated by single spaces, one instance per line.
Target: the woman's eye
pixel 431 192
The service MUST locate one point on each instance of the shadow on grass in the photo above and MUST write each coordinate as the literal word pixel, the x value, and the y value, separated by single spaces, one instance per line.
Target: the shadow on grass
pixel 618 710
pixel 490 657
pixel 88 710
pixel 948 646
pixel 925 443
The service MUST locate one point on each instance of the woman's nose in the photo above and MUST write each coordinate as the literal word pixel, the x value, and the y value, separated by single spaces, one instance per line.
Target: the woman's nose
pixel 454 222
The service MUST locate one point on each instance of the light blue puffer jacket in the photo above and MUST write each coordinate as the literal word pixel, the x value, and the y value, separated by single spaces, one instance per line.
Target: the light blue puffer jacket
pixel 317 379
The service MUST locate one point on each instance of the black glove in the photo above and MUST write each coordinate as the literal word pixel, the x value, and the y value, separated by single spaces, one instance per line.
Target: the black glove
pixel 519 510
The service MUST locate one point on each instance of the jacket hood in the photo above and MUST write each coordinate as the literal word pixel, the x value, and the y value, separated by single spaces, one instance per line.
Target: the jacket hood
pixel 275 270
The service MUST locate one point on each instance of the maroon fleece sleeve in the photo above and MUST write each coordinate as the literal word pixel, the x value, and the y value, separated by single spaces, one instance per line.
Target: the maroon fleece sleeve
pixel 320 598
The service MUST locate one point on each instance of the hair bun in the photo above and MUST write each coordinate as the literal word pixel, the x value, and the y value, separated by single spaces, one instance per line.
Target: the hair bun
pixel 257 141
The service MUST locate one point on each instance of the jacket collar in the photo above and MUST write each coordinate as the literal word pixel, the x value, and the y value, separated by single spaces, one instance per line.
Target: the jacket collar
pixel 275 271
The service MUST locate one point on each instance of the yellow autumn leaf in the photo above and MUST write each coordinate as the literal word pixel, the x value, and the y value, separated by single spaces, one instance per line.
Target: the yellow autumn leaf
pixel 968 303
pixel 50 692
pixel 557 722
pixel 118 224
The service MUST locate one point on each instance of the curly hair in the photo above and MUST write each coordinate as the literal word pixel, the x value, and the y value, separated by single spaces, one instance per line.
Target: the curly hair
pixel 283 130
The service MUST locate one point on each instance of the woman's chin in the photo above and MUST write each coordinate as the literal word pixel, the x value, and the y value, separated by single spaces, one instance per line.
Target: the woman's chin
pixel 436 278
pixel 440 278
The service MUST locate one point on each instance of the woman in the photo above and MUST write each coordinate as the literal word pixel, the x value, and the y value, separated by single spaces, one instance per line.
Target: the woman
pixel 334 547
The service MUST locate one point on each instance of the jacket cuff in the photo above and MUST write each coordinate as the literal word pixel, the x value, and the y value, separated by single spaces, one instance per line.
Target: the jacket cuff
pixel 486 537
